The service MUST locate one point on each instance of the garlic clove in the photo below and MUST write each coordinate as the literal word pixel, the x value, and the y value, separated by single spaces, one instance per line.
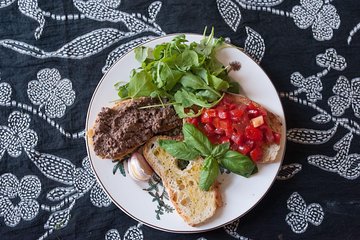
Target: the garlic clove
pixel 138 167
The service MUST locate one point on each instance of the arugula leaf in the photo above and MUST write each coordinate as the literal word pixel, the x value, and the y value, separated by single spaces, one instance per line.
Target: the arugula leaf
pixel 159 50
pixel 169 76
pixel 218 83
pixel 196 139
pixel 141 53
pixel 189 99
pixel 179 150
pixel 187 59
pixel 140 85
pixel 181 99
pixel 202 73
pixel 122 91
pixel 219 150
pixel 238 163
pixel 180 111
pixel 209 173
pixel 208 95
pixel 190 80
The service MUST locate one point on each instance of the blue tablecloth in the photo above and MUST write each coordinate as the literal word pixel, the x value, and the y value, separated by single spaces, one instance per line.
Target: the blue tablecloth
pixel 53 54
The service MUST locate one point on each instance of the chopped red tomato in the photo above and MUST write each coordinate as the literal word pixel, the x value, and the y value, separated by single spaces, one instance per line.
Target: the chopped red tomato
pixel 243 126
pixel 256 154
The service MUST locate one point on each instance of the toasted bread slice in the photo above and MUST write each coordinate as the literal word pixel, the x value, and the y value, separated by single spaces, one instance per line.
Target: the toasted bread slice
pixel 270 152
pixel 193 204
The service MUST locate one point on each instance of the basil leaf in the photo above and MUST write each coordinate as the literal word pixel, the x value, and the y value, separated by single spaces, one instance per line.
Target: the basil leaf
pixel 220 150
pixel 141 53
pixel 238 163
pixel 196 139
pixel 140 85
pixel 179 150
pixel 209 173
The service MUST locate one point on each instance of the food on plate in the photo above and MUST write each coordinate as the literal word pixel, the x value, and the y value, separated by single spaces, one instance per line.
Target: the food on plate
pixel 248 127
pixel 193 204
pixel 139 168
pixel 188 75
pixel 181 90
pixel 196 144
pixel 120 130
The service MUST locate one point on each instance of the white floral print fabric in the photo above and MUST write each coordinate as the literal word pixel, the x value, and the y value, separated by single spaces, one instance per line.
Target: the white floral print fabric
pixel 322 17
pixel 312 86
pixel 17 135
pixel 346 94
pixel 301 214
pixel 51 92
pixel 27 190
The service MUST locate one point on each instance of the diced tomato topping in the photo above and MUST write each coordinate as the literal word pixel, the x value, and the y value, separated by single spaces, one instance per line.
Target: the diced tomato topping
pixel 223 114
pixel 253 133
pixel 209 128
pixel 269 135
pixel 216 122
pixel 256 154
pixel 244 126
pixel 219 131
pixel 238 138
pixel 253 113
pixel 244 149
pixel 205 118
pixel 194 121
pixel 224 139
pixel 211 112
pixel 237 113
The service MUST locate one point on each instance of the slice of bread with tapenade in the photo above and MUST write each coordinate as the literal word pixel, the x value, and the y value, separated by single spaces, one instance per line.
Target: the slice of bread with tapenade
pixel 121 129
pixel 270 151
pixel 193 204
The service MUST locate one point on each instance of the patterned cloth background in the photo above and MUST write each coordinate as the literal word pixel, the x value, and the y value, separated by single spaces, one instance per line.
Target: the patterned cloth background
pixel 53 54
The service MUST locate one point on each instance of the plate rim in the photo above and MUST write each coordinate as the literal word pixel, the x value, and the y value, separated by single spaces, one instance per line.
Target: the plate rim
pixel 123 209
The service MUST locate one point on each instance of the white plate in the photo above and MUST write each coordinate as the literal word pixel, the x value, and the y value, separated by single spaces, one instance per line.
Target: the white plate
pixel 239 194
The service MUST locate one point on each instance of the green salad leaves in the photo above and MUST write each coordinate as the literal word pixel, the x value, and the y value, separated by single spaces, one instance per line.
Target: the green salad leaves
pixel 187 74
pixel 196 144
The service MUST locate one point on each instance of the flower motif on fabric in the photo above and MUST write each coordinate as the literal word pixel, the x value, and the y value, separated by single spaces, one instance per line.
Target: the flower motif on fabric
pixel 51 92
pixel 28 190
pixel 5 93
pixel 321 16
pixel 133 233
pixel 330 59
pixel 346 94
pixel 17 135
pixel 301 215
pixel 312 86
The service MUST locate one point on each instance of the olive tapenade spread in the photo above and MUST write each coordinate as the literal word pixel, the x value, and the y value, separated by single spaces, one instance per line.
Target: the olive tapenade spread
pixel 124 127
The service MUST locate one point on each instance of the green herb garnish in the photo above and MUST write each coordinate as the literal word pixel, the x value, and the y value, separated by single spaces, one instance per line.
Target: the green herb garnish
pixel 197 144
pixel 187 74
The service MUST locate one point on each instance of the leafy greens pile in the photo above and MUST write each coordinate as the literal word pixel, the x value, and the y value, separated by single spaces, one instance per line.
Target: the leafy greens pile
pixel 187 75
pixel 196 144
